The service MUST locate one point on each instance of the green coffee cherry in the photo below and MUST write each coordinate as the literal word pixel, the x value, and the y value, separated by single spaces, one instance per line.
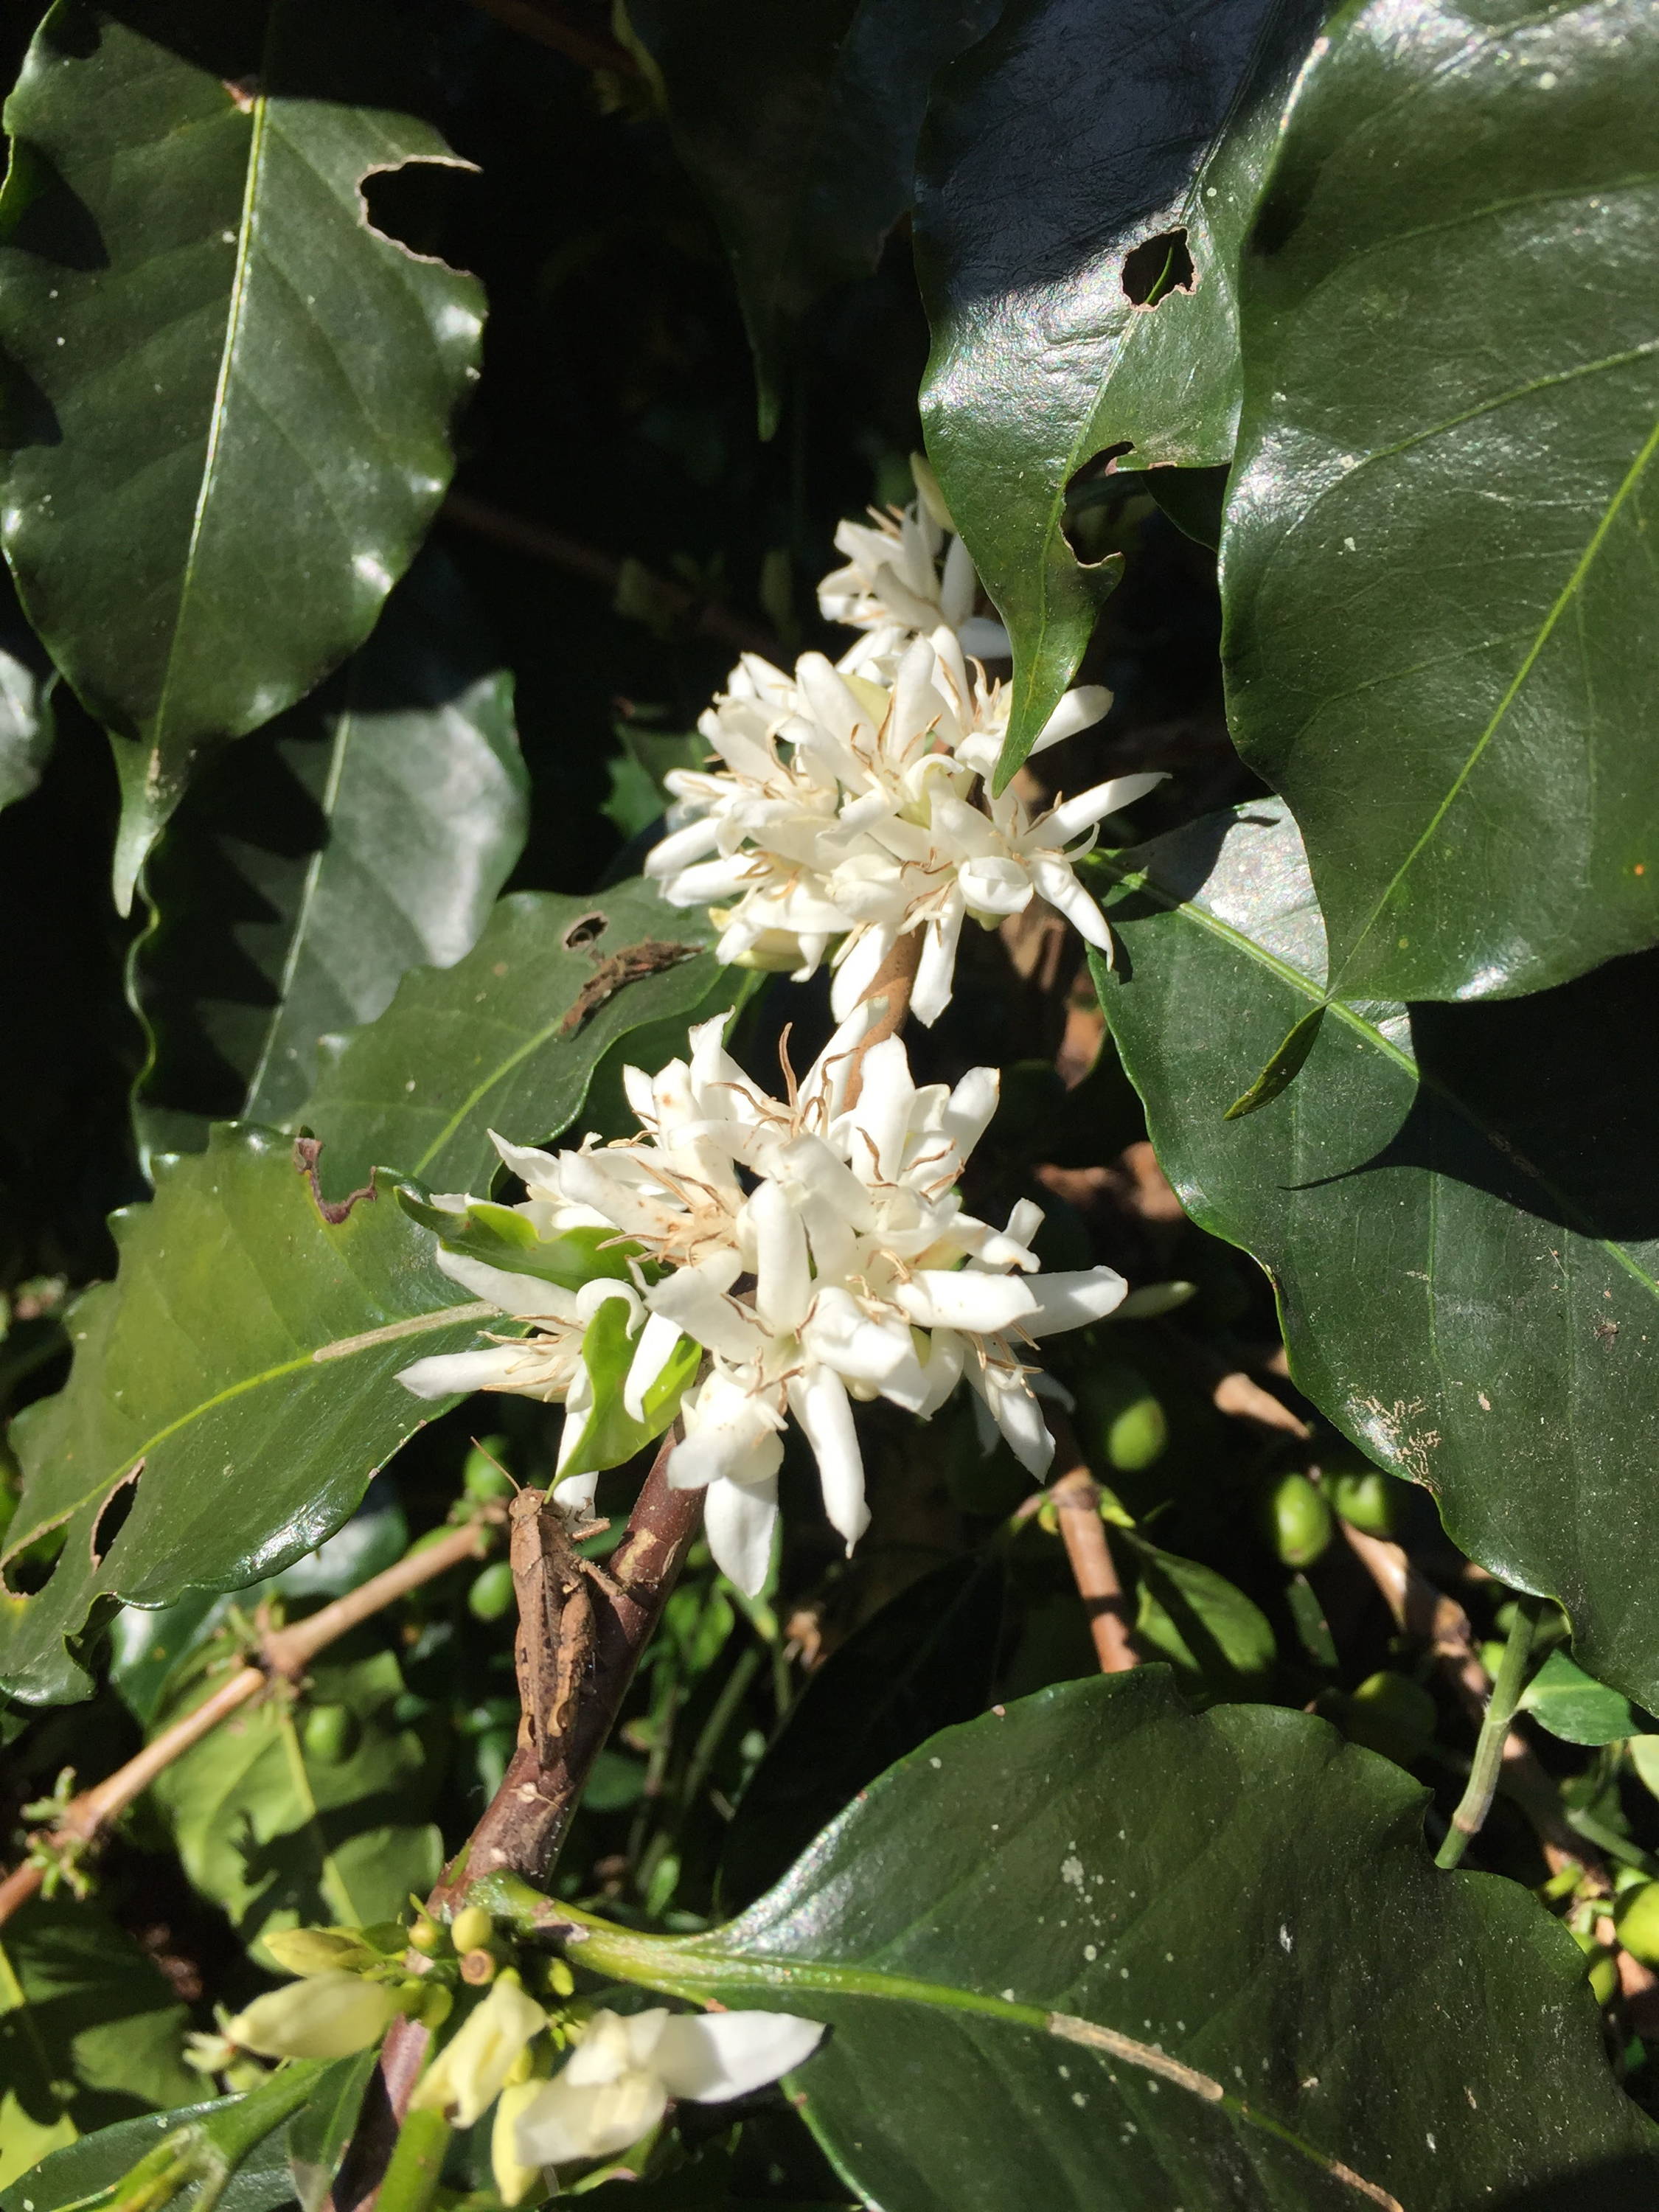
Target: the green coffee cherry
pixel 480 1476
pixel 490 1597
pixel 1122 1417
pixel 1599 1965
pixel 436 2004
pixel 1365 1501
pixel 471 1928
pixel 1299 1520
pixel 426 1936
pixel 1638 1922
pixel 328 1734
pixel 1389 1714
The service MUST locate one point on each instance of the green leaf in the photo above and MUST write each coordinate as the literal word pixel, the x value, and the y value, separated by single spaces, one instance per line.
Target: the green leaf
pixel 89 2031
pixel 1096 1950
pixel 502 1237
pixel 319 2134
pixel 1438 579
pixel 26 717
pixel 1457 1204
pixel 509 1038
pixel 610 1435
pixel 234 395
pixel 364 833
pixel 637 797
pixel 799 126
pixel 64 2182
pixel 280 1837
pixel 926 1659
pixel 1201 1621
pixel 1575 1706
pixel 233 1391
pixel 1059 149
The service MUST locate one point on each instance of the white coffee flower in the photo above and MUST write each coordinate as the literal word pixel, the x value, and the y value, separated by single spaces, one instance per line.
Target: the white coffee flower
pixel 617 2082
pixel 470 2072
pixel 906 571
pixel 332 2014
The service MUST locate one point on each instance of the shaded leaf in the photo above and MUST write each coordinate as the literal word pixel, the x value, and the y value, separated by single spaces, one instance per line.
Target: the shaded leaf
pixel 198 1405
pixel 509 1037
pixel 26 720
pixel 1458 1206
pixel 1097 1950
pixel 364 833
pixel 1204 1623
pixel 926 1659
pixel 317 2135
pixel 1440 586
pixel 279 1837
pixel 1073 162
pixel 800 125
pixel 1575 1706
pixel 233 395
pixel 89 2031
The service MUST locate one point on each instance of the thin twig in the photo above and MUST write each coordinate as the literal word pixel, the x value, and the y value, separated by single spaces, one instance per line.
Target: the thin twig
pixel 1076 1495
pixel 541 20
pixel 285 1653
pixel 605 570
pixel 1475 1803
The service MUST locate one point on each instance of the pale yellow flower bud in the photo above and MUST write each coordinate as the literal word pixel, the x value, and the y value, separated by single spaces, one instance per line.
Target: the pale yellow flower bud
pixel 318 1950
pixel 469 2073
pixel 328 2016
pixel 514 2182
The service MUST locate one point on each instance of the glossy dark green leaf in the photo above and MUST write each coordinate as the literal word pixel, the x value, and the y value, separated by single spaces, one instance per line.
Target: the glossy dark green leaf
pixel 509 1038
pixel 1458 1205
pixel 927 1659
pixel 26 717
pixel 233 1391
pixel 1096 1951
pixel 317 2135
pixel 90 2032
pixel 1440 592
pixel 800 125
pixel 1087 175
pixel 1576 1707
pixel 231 395
pixel 364 833
pixel 279 1837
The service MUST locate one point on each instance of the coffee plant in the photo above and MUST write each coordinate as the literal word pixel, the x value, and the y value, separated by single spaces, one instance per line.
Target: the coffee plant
pixel 830 1240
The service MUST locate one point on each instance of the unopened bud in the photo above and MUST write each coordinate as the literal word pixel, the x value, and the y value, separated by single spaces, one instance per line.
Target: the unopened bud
pixel 318 1950
pixel 560 1979
pixel 469 2073
pixel 426 1936
pixel 328 2016
pixel 514 2182
pixel 471 1928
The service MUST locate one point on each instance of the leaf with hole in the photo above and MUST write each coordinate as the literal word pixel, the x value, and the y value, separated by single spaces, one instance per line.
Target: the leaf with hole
pixel 233 1391
pixel 279 1836
pixel 232 395
pixel 510 1037
pixel 90 2032
pixel 1097 1950
pixel 799 126
pixel 1087 176
pixel 364 833
pixel 1463 1229
pixel 1439 588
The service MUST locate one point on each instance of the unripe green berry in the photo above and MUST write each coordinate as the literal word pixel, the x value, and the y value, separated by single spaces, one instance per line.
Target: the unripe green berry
pixel 1638 1921
pixel 437 2002
pixel 1390 1715
pixel 491 1595
pixel 328 1734
pixel 481 1477
pixel 426 1936
pixel 1299 1520
pixel 1122 1416
pixel 471 1928
pixel 1365 1501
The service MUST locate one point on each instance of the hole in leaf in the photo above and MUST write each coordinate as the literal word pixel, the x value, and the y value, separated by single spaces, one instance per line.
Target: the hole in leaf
pixel 415 206
pixel 112 1518
pixel 1156 267
pixel 1096 496
pixel 584 930
pixel 31 1569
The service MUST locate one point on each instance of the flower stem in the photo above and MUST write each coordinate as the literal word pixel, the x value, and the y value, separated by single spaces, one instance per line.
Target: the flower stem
pixel 1077 1503
pixel 1476 1802
pixel 417 2164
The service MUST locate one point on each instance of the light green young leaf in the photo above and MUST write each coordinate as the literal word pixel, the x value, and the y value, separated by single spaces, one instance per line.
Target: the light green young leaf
pixel 1070 141
pixel 610 1435
pixel 1437 568
pixel 235 393
pixel 502 1238
pixel 1463 1229
pixel 1575 1706
pixel 1095 1950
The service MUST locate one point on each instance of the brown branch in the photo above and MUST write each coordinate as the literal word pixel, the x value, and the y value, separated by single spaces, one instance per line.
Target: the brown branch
pixel 605 570
pixel 284 1653
pixel 539 19
pixel 1077 1502
pixel 386 2102
pixel 895 979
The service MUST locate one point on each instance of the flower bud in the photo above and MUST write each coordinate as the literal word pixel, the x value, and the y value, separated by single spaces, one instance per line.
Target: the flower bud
pixel 437 2005
pixel 426 1936
pixel 328 2016
pixel 471 1928
pixel 318 1950
pixel 469 2073
pixel 514 2182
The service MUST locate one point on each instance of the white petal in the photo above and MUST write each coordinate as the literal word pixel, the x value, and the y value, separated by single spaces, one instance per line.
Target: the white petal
pixel 566 2122
pixel 681 847
pixel 994 885
pixel 1092 807
pixel 527 1295
pixel 691 1303
pixel 576 1493
pixel 449 1374
pixel 1056 881
pixel 936 970
pixel 731 1435
pixel 974 1101
pixel 1068 1301
pixel 783 1279
pixel 728 2054
pixel 957 586
pixel 881 1355
pixel 882 1116
pixel 537 1170
pixel 1016 1412
pixel 985 639
pixel 858 969
pixel 651 1355
pixel 819 1402
pixel 738 1520
pixel 1080 709
pixel 964 1298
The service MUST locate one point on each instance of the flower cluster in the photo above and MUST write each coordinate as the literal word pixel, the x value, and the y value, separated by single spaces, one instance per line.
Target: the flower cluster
pixel 850 805
pixel 814 1247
